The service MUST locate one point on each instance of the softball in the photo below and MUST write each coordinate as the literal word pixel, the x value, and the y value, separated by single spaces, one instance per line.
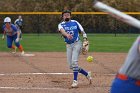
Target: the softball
pixel 89 59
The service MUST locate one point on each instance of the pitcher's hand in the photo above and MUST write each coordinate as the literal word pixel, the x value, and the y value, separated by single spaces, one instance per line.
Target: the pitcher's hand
pixel 69 36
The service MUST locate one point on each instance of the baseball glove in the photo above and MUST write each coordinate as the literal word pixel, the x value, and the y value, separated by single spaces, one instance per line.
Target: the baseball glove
pixel 85 47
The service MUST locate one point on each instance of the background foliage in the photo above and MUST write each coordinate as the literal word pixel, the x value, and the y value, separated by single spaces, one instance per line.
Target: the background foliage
pixel 48 23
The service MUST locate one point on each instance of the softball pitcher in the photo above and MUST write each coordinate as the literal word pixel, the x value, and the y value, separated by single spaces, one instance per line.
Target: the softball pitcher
pixel 127 79
pixel 70 30
pixel 12 34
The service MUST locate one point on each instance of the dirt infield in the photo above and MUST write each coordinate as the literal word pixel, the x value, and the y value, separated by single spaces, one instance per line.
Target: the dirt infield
pixel 48 72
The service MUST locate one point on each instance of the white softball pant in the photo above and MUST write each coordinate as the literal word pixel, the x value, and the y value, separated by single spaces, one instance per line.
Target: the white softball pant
pixel 73 52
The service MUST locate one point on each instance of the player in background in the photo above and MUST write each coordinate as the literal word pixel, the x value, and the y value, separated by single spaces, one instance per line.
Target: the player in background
pixel 12 34
pixel 19 24
pixel 70 30
pixel 127 79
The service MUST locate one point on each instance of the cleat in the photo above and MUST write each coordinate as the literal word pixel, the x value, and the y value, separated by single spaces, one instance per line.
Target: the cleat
pixel 22 53
pixel 14 50
pixel 74 84
pixel 89 77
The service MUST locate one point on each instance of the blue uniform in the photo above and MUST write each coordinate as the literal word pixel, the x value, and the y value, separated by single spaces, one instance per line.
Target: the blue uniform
pixel 73 45
pixel 73 28
pixel 11 34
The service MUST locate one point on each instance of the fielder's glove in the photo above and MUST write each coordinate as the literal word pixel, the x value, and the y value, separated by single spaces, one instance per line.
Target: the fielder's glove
pixel 85 46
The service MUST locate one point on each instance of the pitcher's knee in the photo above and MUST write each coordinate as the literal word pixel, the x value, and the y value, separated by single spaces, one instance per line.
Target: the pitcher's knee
pixel 75 67
pixel 70 67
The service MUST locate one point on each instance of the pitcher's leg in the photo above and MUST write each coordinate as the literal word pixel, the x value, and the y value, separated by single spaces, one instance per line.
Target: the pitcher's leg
pixel 69 55
pixel 82 71
pixel 75 57
pixel 69 60
pixel 72 65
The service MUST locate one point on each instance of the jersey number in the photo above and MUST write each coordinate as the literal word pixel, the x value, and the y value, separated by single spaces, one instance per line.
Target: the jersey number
pixel 70 32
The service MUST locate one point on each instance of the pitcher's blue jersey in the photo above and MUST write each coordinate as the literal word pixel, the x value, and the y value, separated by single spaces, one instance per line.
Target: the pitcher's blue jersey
pixel 72 27
pixel 10 32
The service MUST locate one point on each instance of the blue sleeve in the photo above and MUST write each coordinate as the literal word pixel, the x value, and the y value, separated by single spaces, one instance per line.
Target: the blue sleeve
pixel 14 27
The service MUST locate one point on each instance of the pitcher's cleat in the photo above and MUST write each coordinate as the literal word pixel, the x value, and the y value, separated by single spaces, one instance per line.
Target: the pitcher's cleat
pixel 89 77
pixel 74 84
pixel 14 50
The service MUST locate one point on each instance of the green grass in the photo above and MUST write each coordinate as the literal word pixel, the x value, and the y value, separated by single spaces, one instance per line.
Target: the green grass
pixel 54 43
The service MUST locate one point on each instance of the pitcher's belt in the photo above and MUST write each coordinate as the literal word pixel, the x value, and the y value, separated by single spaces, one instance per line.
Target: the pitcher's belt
pixel 73 42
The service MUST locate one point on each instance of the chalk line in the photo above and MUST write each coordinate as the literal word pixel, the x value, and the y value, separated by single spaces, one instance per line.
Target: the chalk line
pixel 31 88
pixel 12 74
pixel 15 74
